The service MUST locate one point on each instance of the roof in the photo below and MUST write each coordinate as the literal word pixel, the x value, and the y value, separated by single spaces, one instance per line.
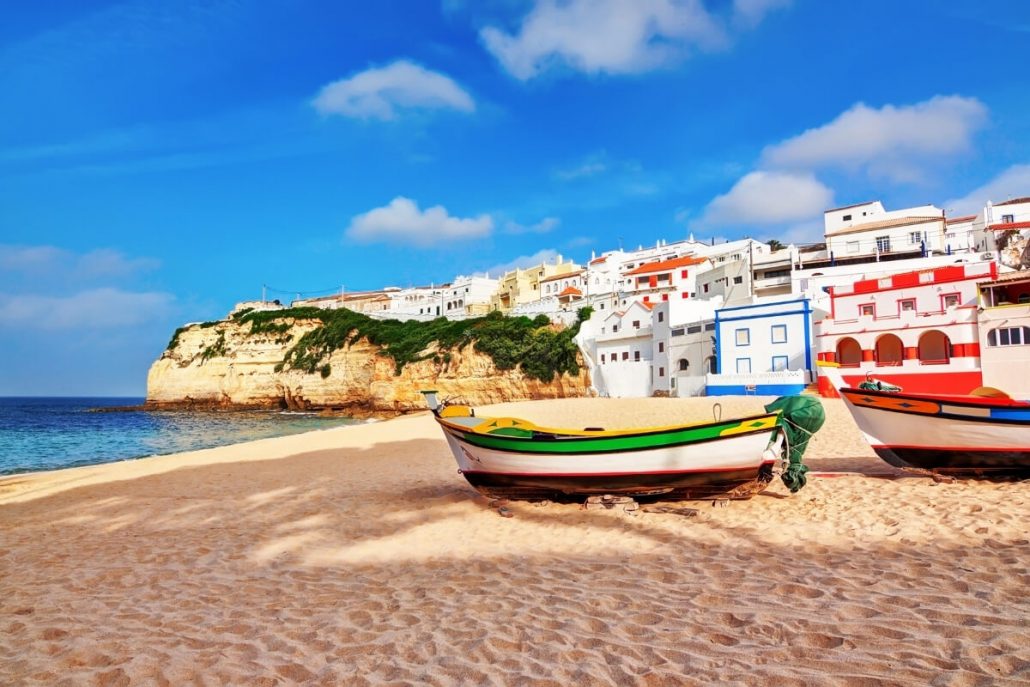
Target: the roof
pixel 1005 278
pixel 846 207
pixel 1008 226
pixel 963 218
pixel 574 273
pixel 884 224
pixel 600 259
pixel 665 265
pixel 1014 201
pixel 570 291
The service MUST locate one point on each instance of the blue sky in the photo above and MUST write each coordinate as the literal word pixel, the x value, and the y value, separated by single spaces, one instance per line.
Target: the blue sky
pixel 161 161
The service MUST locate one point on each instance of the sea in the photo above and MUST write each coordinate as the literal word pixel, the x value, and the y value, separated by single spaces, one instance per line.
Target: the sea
pixel 51 433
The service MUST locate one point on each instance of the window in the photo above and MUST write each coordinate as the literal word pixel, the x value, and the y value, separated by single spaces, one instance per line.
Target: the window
pixel 661 317
pixel 779 362
pixel 951 301
pixel 710 327
pixel 907 305
pixel 867 310
pixel 661 371
pixel 661 347
pixel 615 328
pixel 684 364
pixel 636 355
pixel 915 237
pixel 773 274
pixel 883 244
pixel 1009 336
pixel 743 337
pixel 852 246
pixel 602 357
pixel 683 274
pixel 694 329
pixel 704 289
pixel 779 333
pixel 636 324
pixel 738 280
pixel 625 355
pixel 743 366
pixel 1008 219
pixel 677 332
pixel 846 218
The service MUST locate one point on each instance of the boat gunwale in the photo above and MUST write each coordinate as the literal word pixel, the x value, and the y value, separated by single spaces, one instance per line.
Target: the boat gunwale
pixel 941 413
pixel 549 434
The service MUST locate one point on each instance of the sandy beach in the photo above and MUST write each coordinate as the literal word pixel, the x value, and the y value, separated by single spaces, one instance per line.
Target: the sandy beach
pixel 358 555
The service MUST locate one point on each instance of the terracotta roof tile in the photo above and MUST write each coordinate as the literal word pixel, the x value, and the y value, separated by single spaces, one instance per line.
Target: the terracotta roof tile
pixel 570 291
pixel 1013 201
pixel 666 265
pixel 964 218
pixel 1009 226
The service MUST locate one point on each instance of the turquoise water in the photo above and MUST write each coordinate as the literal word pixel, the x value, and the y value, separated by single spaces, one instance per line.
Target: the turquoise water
pixel 50 433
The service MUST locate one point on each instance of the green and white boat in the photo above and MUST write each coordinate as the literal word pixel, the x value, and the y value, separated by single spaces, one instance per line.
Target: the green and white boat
pixel 514 458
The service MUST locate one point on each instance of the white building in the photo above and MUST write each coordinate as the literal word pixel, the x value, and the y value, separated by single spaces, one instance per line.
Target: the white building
pixel 683 340
pixel 763 348
pixel 468 296
pixel 1003 229
pixel 654 282
pixel 1004 326
pixel 622 352
pixel 858 232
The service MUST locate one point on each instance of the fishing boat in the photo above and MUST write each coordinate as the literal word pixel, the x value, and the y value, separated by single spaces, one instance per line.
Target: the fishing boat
pixel 984 432
pixel 515 458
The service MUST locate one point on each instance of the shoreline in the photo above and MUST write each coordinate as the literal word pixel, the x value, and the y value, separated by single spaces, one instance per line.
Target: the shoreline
pixel 357 555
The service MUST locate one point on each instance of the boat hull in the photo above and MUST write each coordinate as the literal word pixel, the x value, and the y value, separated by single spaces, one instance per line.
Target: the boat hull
pixel 737 466
pixel 912 431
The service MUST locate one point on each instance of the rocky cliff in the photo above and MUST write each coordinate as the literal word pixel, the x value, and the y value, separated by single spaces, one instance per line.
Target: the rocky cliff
pixel 227 365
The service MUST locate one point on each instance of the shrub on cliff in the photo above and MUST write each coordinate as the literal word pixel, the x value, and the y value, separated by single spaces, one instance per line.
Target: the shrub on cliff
pixel 540 350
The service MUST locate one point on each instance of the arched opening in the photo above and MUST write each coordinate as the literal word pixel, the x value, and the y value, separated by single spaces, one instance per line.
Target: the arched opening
pixel 934 348
pixel 710 365
pixel 849 352
pixel 889 351
pixel 683 364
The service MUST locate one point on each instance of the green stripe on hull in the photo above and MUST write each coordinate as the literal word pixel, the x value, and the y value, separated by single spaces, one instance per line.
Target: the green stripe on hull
pixel 639 442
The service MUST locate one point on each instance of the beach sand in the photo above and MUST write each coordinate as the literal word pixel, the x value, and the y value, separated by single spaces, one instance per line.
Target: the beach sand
pixel 358 555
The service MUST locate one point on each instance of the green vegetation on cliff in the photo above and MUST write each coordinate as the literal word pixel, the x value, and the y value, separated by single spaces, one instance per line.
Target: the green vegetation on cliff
pixel 540 350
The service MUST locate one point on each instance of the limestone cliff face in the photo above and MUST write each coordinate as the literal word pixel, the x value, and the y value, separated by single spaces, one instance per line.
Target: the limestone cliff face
pixel 224 366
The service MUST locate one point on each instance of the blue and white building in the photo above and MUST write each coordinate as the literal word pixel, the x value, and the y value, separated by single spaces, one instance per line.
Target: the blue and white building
pixel 763 349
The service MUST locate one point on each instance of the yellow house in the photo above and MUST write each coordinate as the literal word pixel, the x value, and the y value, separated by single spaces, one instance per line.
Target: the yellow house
pixel 521 286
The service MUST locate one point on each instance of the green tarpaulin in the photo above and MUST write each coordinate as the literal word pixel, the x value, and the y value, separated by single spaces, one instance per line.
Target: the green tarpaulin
pixel 802 417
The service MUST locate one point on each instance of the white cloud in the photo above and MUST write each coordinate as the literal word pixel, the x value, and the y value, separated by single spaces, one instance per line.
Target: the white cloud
pixel 542 227
pixel 1014 182
pixel 92 309
pixel 524 261
pixel 58 262
pixel 768 198
pixel 614 36
pixel 379 92
pixel 403 222
pixel 587 169
pixel 895 142
pixel 750 13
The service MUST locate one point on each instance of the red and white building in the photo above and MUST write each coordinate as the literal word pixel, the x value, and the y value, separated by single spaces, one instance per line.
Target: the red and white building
pixel 917 330
pixel 654 282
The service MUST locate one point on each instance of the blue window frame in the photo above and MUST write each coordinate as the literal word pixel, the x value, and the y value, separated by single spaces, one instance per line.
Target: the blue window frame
pixel 743 337
pixel 779 333
pixel 743 366
pixel 779 362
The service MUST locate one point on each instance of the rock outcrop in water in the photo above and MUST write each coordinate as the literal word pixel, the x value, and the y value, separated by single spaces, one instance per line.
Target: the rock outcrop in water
pixel 226 365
